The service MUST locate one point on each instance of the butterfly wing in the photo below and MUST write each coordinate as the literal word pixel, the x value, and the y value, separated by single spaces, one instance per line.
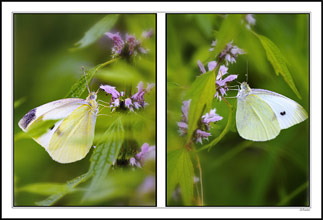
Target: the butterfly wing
pixel 73 138
pixel 288 112
pixel 255 119
pixel 55 110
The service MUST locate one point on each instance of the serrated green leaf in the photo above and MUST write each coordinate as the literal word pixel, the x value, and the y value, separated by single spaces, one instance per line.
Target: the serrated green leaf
pixel 80 86
pixel 97 31
pixel 180 171
pixel 68 188
pixel 229 30
pixel 278 61
pixel 105 154
pixel 201 94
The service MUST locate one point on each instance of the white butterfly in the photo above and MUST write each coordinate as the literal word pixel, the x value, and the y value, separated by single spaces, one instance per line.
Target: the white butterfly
pixel 261 114
pixel 71 137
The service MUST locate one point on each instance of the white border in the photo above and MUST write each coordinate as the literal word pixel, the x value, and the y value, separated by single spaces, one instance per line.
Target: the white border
pixel 161 7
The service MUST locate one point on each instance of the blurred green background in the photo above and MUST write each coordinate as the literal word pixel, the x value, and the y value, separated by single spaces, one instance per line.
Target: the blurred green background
pixel 45 69
pixel 237 172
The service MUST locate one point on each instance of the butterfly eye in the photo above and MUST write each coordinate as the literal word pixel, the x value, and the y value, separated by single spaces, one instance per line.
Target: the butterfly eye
pixel 93 96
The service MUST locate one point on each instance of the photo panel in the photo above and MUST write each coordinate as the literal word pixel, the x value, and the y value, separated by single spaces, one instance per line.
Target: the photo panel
pixel 84 110
pixel 237 101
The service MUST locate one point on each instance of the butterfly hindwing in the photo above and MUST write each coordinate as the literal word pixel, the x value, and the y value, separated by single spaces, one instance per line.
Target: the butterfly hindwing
pixel 255 119
pixel 73 138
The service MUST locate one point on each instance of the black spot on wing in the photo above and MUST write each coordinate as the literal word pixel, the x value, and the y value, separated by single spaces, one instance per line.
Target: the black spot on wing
pixel 283 113
pixel 51 128
pixel 31 115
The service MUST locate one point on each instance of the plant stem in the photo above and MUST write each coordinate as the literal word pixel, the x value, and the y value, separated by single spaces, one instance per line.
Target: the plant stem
pixel 295 193
pixel 106 63
pixel 226 129
pixel 201 182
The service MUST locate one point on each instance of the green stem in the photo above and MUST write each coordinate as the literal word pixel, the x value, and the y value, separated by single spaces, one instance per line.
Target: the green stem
pixel 106 63
pixel 201 182
pixel 297 191
pixel 226 129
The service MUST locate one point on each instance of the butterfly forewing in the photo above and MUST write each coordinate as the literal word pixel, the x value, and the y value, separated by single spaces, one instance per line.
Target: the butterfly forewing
pixel 52 110
pixel 288 112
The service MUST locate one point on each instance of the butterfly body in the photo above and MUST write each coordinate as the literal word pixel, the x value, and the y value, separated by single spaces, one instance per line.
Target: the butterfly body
pixel 71 136
pixel 261 114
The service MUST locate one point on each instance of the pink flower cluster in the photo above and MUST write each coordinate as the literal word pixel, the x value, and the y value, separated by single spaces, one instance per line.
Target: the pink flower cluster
pixel 221 84
pixel 229 54
pixel 129 46
pixel 136 101
pixel 147 153
pixel 201 133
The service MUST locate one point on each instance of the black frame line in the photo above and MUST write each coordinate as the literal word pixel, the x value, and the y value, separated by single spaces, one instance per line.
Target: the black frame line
pixel 13 98
pixel 309 118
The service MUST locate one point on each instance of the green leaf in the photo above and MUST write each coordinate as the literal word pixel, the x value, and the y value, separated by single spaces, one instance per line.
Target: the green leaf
pixel 278 61
pixel 105 154
pixel 201 93
pixel 44 188
pixel 96 31
pixel 119 184
pixel 180 171
pixel 68 188
pixel 40 127
pixel 80 86
pixel 18 102
pixel 229 30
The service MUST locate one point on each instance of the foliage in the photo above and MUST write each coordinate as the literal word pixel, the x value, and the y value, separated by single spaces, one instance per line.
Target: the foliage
pixel 104 177
pixel 236 172
pixel 95 32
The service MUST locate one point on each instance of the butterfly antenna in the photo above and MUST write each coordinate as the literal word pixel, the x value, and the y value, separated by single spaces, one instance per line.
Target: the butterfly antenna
pixel 87 84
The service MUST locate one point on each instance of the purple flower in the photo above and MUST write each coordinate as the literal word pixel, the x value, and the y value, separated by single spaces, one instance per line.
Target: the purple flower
pixel 137 105
pixel 201 134
pixel 147 34
pixel 132 43
pixel 126 47
pixel 133 162
pixel 110 90
pixel 128 104
pixel 138 98
pixel 182 128
pixel 148 185
pixel 115 103
pixel 147 153
pixel 199 63
pixel 211 117
pixel 185 107
pixel 221 86
pixel 211 66
pixel 230 53
pixel 118 43
pixel 213 44
pixel 206 119
pixel 250 20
